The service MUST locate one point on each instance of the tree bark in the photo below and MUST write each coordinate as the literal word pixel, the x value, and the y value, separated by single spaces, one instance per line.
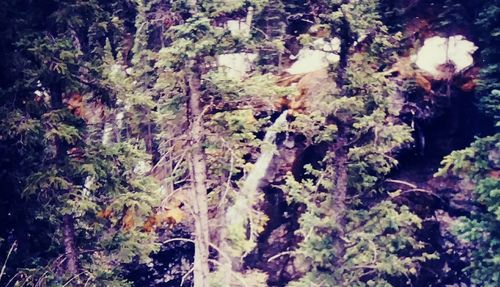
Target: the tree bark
pixel 341 177
pixel 69 244
pixel 198 180
pixel 341 150
pixel 339 204
pixel 68 228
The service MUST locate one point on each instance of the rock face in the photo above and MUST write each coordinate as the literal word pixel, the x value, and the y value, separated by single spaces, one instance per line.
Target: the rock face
pixel 439 201
pixel 274 243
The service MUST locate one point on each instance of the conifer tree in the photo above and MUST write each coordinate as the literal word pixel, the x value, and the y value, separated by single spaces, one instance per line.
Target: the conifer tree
pixel 90 196
pixel 123 122
pixel 478 164
pixel 343 222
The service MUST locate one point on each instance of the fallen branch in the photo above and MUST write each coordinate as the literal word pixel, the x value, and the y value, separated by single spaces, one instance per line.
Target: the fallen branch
pixel 280 254
pixel 401 182
pixel 7 258
pixel 186 275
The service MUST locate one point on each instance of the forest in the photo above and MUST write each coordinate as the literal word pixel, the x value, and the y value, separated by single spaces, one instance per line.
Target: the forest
pixel 250 143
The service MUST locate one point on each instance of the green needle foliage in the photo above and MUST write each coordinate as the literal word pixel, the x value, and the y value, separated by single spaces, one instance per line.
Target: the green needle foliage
pixel 114 113
pixel 64 170
pixel 478 164
pixel 359 238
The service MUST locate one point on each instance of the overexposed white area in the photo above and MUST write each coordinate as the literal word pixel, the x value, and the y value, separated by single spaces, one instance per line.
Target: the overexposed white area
pixel 322 54
pixel 238 28
pixel 439 50
pixel 236 65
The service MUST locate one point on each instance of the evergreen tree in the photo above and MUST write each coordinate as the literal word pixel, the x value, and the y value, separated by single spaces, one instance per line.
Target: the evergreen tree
pixel 123 122
pixel 88 196
pixel 478 164
pixel 353 234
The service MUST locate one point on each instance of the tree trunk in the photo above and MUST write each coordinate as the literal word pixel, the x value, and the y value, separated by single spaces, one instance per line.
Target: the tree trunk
pixel 341 150
pixel 340 195
pixel 69 244
pixel 341 178
pixel 68 228
pixel 198 180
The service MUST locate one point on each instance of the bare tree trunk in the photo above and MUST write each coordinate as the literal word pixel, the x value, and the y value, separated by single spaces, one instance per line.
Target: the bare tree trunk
pixel 198 181
pixel 69 244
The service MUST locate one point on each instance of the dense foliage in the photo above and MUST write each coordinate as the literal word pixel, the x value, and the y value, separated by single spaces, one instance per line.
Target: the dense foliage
pixel 173 143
